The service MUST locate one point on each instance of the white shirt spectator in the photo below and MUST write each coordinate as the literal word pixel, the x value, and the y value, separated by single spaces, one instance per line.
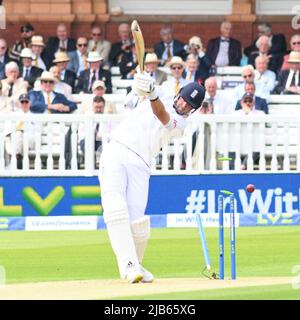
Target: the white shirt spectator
pixel 222 102
pixel 266 80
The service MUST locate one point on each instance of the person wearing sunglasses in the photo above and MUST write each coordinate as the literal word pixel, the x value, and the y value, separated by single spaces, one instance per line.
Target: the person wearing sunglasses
pixel 295 46
pixel 78 58
pixel 172 86
pixel 98 43
pixel 47 100
pixel 27 31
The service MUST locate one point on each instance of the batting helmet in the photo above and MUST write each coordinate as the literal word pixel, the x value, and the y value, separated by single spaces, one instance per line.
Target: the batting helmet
pixel 193 93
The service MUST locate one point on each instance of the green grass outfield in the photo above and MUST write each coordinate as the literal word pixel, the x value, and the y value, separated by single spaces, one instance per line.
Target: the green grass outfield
pixel 172 253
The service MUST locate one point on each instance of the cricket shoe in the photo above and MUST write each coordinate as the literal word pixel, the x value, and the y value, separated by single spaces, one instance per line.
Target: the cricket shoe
pixel 148 277
pixel 133 274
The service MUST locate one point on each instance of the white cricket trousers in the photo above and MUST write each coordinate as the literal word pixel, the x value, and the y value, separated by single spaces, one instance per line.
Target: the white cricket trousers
pixel 124 183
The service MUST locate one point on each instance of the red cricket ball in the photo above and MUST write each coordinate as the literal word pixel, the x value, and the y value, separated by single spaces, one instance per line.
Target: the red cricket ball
pixel 250 188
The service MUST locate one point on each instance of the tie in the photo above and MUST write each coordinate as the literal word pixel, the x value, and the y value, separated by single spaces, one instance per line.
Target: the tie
pixel 10 91
pixel 48 102
pixel 224 40
pixel 26 74
pixel 93 78
pixel 176 89
pixel 62 46
pixel 86 65
pixel 211 101
pixel 36 62
pixel 95 46
pixel 293 82
pixel 169 54
pixel 260 76
pixel 190 76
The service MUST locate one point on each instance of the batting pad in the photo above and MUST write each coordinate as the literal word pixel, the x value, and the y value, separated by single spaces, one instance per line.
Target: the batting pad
pixel 141 233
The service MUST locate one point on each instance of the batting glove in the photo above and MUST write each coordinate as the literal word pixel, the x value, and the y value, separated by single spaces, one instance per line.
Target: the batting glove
pixel 144 85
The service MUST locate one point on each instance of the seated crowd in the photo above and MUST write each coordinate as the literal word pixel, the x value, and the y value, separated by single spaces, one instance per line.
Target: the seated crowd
pixel 41 77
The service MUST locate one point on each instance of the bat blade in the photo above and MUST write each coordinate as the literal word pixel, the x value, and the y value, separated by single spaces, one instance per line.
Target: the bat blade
pixel 139 43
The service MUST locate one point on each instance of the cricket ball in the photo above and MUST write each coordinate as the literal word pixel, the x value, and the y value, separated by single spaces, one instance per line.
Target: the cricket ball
pixel 250 188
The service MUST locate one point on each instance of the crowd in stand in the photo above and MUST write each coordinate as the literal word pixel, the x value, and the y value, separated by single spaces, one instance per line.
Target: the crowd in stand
pixel 41 77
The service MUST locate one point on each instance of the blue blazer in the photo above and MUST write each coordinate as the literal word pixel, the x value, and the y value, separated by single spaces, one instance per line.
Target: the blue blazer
pixel 38 104
pixel 260 104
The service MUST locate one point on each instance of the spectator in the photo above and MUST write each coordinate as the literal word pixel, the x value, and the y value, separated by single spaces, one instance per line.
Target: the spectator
pixel 264 44
pixel 278 42
pixel 78 59
pixel 128 63
pixel 61 86
pixel 172 86
pixel 248 74
pixel 218 103
pixel 30 128
pixel 191 72
pixel 151 67
pixel 39 54
pixel 98 108
pixel 12 85
pixel 224 50
pixel 120 47
pixel 258 103
pixel 47 100
pixel 264 77
pixel 95 72
pixel 62 42
pixel 289 80
pixel 61 61
pixel 27 31
pixel 295 46
pixel 4 57
pixel 204 64
pixel 97 43
pixel 28 72
pixel 98 91
pixel 168 47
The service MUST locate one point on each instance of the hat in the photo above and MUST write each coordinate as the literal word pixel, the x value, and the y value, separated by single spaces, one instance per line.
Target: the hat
pixel 26 53
pixel 24 97
pixel 27 27
pixel 151 58
pixel 248 95
pixel 37 41
pixel 193 93
pixel 195 41
pixel 176 60
pixel 46 75
pixel 98 84
pixel 94 56
pixel 294 57
pixel 61 56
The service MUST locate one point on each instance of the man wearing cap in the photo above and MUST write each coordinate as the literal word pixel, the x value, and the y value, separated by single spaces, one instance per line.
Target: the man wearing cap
pixel 27 31
pixel 94 73
pixel 61 61
pixel 39 54
pixel 289 80
pixel 4 57
pixel 27 71
pixel 31 129
pixel 151 67
pixel 47 100
pixel 62 42
pixel 78 58
pixel 125 169
pixel 172 86
pixel 224 50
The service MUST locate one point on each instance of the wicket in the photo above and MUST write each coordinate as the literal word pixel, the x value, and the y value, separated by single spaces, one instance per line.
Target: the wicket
pixel 232 237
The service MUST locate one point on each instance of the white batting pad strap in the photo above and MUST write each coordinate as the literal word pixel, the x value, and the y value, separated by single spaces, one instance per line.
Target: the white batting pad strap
pixel 141 228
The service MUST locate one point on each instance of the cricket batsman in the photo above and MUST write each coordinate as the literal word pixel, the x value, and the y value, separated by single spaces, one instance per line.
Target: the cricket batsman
pixel 125 169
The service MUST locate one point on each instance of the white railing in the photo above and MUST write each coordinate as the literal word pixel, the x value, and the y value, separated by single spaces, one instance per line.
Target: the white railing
pixel 50 145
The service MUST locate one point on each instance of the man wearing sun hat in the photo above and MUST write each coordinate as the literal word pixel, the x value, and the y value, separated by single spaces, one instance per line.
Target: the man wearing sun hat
pixel 61 61
pixel 27 71
pixel 39 54
pixel 95 72
pixel 47 100
pixel 151 67
pixel 172 86
pixel 289 80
